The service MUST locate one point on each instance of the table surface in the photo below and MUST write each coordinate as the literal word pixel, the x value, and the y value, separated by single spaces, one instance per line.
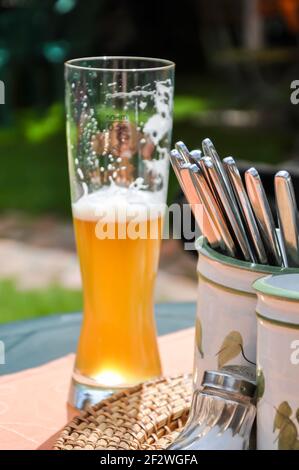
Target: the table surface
pixel 34 342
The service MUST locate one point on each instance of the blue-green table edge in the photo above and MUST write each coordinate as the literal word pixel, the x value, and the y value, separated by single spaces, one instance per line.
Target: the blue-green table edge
pixel 31 343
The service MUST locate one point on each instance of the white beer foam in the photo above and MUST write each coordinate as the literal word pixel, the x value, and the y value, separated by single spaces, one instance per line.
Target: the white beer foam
pixel 117 204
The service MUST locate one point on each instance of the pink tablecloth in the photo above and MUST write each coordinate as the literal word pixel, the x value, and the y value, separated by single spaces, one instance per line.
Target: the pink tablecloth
pixel 33 402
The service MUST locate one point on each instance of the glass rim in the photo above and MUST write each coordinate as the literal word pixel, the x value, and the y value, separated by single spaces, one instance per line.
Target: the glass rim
pixel 165 64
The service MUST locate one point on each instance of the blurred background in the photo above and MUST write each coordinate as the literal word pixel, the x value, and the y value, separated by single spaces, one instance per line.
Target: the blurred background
pixel 235 62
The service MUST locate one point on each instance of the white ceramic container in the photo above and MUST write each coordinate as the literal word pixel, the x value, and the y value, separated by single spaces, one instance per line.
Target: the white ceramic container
pixel 278 362
pixel 225 320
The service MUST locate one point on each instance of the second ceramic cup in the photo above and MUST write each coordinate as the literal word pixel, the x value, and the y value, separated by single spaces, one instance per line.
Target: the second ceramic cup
pixel 278 362
pixel 226 319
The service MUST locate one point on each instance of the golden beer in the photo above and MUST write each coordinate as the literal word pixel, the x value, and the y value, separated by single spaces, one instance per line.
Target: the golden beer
pixel 119 123
pixel 117 345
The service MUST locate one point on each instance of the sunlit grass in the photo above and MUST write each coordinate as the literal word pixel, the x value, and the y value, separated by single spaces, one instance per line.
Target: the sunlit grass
pixel 18 304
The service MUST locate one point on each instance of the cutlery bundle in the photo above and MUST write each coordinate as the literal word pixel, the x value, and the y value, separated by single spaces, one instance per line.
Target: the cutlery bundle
pixel 236 218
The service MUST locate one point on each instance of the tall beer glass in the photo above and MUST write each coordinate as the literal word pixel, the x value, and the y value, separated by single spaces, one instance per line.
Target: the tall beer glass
pixel 119 123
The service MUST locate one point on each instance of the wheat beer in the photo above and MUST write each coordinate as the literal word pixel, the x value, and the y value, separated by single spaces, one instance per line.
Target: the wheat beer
pixel 119 123
pixel 118 240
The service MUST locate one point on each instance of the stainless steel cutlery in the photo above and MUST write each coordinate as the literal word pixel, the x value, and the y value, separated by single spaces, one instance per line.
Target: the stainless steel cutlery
pixel 193 197
pixel 203 164
pixel 226 242
pixel 210 151
pixel 263 214
pixel 196 155
pixel 184 152
pixel 230 209
pixel 245 208
pixel 287 213
pixel 237 219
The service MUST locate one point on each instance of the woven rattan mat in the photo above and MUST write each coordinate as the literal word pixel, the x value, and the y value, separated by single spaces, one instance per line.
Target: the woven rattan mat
pixel 148 416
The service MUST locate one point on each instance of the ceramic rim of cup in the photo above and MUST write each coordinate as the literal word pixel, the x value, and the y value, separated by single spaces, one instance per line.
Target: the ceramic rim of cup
pixel 263 286
pixel 204 248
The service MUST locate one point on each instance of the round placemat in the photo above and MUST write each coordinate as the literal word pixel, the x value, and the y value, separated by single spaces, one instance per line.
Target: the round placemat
pixel 147 416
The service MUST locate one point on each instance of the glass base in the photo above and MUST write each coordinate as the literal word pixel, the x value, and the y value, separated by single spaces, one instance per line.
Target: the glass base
pixel 85 391
pixel 84 394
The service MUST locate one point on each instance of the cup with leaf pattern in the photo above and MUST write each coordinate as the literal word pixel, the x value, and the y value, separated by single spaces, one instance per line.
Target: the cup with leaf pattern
pixel 225 319
pixel 278 362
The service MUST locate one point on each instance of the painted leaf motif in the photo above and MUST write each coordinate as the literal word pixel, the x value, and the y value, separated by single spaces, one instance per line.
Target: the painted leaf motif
pixel 287 435
pixel 283 412
pixel 260 382
pixel 198 337
pixel 247 372
pixel 230 348
pixel 296 445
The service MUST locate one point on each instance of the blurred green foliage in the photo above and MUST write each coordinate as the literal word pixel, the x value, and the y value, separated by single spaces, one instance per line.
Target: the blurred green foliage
pixel 186 106
pixel 39 130
pixel 34 164
pixel 22 304
pixel 34 176
pixel 224 75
